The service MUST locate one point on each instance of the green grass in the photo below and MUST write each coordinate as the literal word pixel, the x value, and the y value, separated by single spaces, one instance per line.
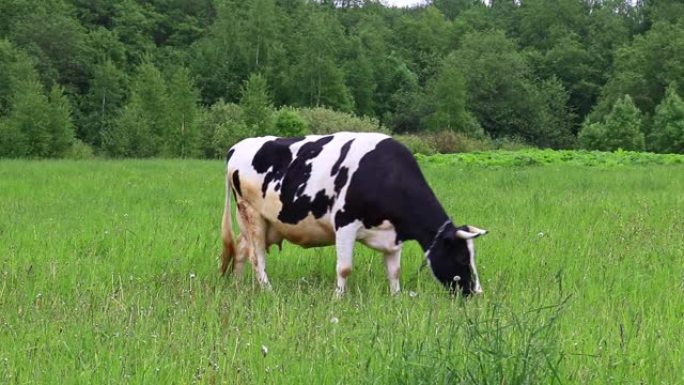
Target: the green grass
pixel 108 274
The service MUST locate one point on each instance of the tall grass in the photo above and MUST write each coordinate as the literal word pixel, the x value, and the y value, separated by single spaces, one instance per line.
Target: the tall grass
pixel 108 274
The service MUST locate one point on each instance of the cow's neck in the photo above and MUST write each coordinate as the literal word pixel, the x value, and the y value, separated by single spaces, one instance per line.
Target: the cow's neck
pixel 424 220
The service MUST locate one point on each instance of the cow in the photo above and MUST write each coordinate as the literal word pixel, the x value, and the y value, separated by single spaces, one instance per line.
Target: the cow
pixel 322 190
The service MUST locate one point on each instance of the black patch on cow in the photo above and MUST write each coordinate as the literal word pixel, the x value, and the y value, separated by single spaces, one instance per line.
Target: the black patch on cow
pixel 297 205
pixel 343 154
pixel 341 179
pixel 273 158
pixel 388 185
pixel 236 182
pixel 291 174
pixel 321 204
pixel 229 154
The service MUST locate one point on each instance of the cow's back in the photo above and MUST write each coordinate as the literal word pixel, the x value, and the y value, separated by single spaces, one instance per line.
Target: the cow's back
pixel 297 184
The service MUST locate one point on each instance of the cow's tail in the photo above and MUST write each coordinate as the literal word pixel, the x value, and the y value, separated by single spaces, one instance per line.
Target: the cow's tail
pixel 228 254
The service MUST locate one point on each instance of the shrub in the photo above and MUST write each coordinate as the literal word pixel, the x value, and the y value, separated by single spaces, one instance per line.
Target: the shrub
pixel 447 142
pixel 326 121
pixel 221 126
pixel 510 144
pixel 79 150
pixel 288 122
pixel 417 144
pixel 591 136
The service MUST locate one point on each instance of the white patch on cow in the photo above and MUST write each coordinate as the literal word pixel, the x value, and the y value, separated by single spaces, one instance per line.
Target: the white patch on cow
pixel 477 288
pixel 384 238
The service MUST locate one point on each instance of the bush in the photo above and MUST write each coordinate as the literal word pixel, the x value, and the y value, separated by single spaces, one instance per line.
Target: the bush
pixel 288 122
pixel 79 150
pixel 417 144
pixel 447 142
pixel 510 144
pixel 591 136
pixel 221 126
pixel 326 121
pixel 537 157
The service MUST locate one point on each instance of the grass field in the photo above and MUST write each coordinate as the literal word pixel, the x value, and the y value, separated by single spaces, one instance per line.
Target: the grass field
pixel 108 275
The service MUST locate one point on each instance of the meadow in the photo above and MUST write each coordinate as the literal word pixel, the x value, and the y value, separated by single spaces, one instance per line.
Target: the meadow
pixel 108 275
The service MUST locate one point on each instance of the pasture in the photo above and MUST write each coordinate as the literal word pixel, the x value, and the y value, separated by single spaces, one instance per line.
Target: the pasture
pixel 108 275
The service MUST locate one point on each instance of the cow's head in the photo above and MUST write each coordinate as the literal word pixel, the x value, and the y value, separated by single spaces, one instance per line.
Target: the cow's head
pixel 452 258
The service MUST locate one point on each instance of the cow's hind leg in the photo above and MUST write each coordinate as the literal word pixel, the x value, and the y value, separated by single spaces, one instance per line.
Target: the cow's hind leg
pixel 344 243
pixel 254 228
pixel 241 255
pixel 393 267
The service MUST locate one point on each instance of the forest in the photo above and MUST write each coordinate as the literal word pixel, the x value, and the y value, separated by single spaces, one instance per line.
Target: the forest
pixel 176 78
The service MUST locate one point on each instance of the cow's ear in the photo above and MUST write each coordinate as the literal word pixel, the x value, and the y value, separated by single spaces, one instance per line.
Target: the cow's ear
pixel 470 233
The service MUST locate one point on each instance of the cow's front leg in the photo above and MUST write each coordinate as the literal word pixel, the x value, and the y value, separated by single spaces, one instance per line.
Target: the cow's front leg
pixel 344 243
pixel 393 268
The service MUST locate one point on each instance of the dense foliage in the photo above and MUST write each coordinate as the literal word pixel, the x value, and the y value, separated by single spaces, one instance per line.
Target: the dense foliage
pixel 532 157
pixel 150 78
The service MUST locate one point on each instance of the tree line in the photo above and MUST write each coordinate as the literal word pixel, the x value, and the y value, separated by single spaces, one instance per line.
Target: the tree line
pixel 141 78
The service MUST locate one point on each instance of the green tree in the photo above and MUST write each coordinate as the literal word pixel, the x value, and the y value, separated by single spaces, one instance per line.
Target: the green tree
pixel 542 22
pixel 423 40
pixel 667 135
pixel 623 126
pixel 499 91
pixel 645 68
pixel 143 128
pixel 256 105
pixel 319 79
pixel 621 129
pixel 569 61
pixel 361 82
pixel 258 31
pixel 216 59
pixel 556 119
pixel 15 66
pixel 447 97
pixel 59 124
pixel 183 99
pixel 100 106
pixel 29 119
pixel 56 39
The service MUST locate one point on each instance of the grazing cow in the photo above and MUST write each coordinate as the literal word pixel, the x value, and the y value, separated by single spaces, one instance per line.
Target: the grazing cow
pixel 336 190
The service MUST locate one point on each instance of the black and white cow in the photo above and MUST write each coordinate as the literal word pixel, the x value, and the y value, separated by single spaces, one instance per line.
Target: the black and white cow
pixel 336 190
